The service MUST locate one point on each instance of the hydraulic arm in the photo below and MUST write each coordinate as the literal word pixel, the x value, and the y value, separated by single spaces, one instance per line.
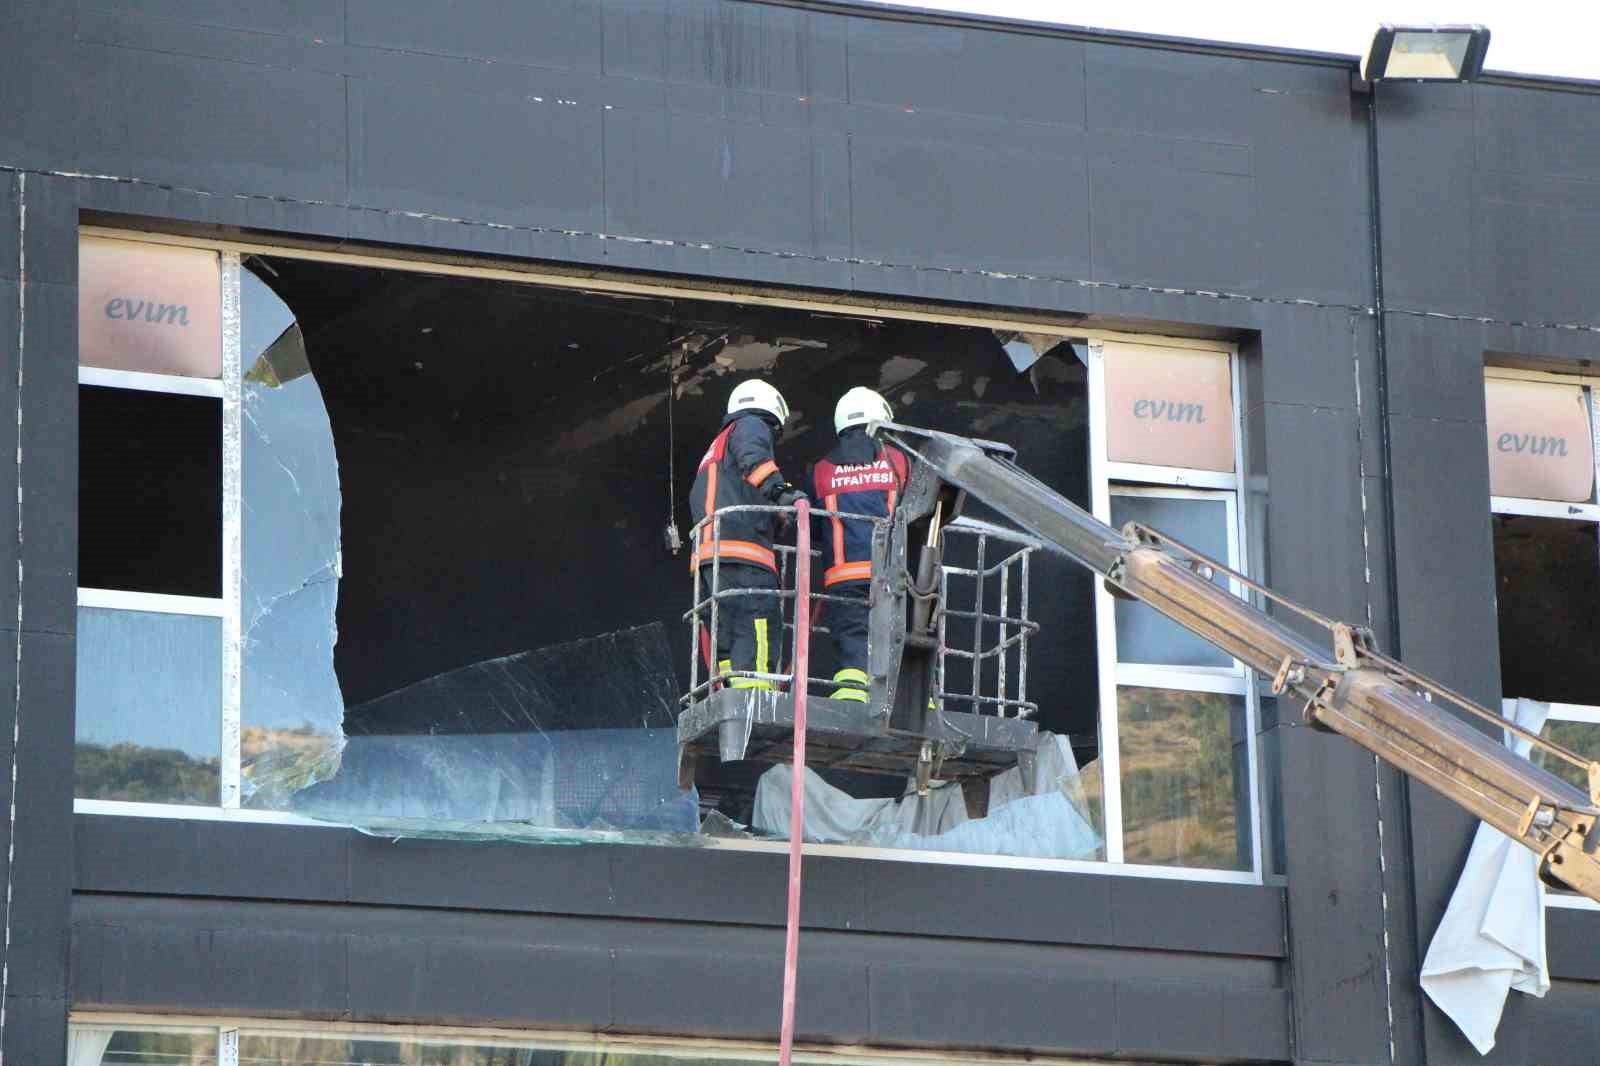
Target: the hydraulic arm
pixel 1345 686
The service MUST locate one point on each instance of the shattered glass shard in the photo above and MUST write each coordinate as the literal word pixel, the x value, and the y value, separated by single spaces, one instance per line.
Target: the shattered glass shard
pixel 291 707
pixel 574 736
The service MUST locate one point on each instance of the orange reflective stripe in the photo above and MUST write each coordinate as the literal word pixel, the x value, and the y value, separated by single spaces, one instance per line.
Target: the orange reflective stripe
pixel 743 550
pixel 891 501
pixel 762 472
pixel 861 571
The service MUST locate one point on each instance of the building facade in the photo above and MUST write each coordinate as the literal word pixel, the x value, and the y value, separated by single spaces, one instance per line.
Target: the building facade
pixel 471 283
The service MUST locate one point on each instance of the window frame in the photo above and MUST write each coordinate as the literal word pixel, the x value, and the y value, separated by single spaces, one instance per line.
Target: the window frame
pixel 229 388
pixel 1588 513
pixel 1108 479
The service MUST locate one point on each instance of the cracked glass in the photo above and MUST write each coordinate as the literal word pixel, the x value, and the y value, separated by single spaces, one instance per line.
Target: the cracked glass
pixel 291 709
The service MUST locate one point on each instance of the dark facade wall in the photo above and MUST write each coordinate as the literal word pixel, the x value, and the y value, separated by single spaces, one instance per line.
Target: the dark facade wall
pixel 777 144
pixel 1490 216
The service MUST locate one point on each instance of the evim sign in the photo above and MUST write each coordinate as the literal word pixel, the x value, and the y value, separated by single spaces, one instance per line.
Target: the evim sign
pixel 151 308
pixel 1540 443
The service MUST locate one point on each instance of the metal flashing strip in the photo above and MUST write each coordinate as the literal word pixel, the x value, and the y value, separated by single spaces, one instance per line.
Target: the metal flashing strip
pixel 232 522
pixel 152 602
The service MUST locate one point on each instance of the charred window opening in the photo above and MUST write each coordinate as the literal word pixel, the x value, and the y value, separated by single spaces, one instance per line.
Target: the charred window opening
pixel 150 475
pixel 509 457
pixel 1547 578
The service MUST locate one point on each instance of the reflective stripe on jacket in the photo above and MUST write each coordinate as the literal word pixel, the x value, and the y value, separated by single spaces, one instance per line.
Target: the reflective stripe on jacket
pixel 738 469
pixel 858 476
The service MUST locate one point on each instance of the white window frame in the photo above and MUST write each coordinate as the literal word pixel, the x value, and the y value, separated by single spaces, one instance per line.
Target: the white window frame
pixel 1574 512
pixel 1108 479
pixel 227 390
pixel 228 608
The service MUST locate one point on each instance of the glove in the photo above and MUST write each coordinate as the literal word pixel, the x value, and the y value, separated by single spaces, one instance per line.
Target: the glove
pixel 788 495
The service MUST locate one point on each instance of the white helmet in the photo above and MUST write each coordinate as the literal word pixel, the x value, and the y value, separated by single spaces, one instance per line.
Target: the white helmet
pixel 757 395
pixel 860 406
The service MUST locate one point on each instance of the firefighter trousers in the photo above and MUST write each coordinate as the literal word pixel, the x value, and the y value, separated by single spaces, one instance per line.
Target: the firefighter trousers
pixel 847 622
pixel 749 623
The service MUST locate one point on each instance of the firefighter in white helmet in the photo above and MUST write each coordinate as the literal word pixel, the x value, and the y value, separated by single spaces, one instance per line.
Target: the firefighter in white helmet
pixel 740 468
pixel 858 476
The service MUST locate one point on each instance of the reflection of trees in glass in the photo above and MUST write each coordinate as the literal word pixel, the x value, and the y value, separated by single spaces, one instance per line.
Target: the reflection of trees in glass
pixel 137 1048
pixel 1581 738
pixel 277 763
pixel 134 772
pixel 1177 778
pixel 289 1050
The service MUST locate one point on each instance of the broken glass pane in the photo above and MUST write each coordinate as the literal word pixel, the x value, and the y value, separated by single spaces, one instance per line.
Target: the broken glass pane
pixel 1185 780
pixel 1143 636
pixel 291 709
pixel 574 736
pixel 149 707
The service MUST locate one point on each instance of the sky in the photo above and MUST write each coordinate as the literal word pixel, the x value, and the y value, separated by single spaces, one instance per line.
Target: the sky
pixel 1546 37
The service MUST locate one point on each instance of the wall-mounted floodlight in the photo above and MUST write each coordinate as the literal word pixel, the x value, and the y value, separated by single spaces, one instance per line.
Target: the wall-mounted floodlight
pixel 1425 53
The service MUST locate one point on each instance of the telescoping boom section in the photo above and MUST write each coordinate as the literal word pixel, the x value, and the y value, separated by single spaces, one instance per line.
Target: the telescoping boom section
pixel 1345 685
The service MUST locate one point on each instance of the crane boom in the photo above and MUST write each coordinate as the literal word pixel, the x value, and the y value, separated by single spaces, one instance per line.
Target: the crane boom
pixel 1346 685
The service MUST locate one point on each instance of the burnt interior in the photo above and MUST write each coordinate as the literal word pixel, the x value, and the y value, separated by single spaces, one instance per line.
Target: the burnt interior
pixel 1547 585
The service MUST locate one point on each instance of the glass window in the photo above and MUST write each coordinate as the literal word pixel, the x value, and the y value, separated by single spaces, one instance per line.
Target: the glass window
pixel 1202 523
pixel 149 492
pixel 1185 778
pixel 149 699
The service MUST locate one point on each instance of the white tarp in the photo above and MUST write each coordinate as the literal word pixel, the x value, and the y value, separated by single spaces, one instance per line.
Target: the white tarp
pixel 1046 824
pixel 1492 937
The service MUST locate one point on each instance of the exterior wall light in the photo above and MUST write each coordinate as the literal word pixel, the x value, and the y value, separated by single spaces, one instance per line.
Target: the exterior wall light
pixel 1425 53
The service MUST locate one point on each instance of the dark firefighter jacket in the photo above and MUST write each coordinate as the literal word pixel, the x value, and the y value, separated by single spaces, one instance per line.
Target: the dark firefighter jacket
pixel 859 476
pixel 738 468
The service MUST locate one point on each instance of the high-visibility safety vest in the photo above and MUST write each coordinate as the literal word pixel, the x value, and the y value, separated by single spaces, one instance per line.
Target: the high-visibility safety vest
pixel 738 468
pixel 858 476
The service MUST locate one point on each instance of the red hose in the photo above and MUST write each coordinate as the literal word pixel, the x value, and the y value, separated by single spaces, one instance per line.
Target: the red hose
pixel 797 795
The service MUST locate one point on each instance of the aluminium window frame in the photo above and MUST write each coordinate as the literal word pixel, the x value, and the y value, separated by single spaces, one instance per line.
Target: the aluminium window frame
pixel 1109 478
pixel 232 252
pixel 1574 512
pixel 228 607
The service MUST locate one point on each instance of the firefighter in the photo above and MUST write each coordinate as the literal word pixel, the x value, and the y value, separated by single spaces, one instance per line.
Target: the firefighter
pixel 740 468
pixel 858 476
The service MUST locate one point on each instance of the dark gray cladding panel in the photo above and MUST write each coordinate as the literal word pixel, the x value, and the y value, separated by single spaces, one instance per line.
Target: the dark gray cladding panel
pixel 1443 549
pixel 730 45
pixel 1571 935
pixel 1490 202
pixel 52 227
pixel 40 122
pixel 36 1029
pixel 41 845
pixel 1562 1027
pixel 10 309
pixel 223 127
pixel 310 19
pixel 1314 510
pixel 680 176
pixel 1175 227
pixel 98 198
pixel 10 227
pixel 916 201
pixel 1309 356
pixel 1014 77
pixel 385 964
pixel 1436 368
pixel 561 34
pixel 1425 166
pixel 1336 913
pixel 129 855
pixel 533 162
pixel 49 435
